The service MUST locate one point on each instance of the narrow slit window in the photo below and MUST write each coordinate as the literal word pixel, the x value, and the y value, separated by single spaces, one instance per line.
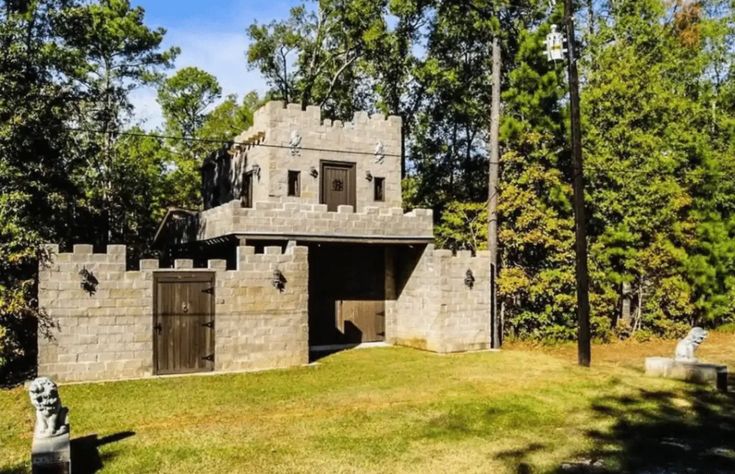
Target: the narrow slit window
pixel 379 189
pixel 294 183
pixel 246 193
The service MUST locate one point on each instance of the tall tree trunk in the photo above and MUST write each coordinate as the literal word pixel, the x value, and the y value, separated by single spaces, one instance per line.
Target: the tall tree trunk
pixel 492 231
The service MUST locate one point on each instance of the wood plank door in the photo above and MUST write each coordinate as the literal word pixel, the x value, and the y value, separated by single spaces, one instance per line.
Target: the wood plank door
pixel 338 184
pixel 183 322
pixel 361 320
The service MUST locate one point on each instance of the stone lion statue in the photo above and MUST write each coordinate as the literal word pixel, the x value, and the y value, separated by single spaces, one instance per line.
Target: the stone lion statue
pixel 686 347
pixel 50 415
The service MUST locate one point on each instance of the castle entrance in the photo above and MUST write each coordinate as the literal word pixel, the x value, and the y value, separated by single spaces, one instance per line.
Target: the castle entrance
pixel 346 294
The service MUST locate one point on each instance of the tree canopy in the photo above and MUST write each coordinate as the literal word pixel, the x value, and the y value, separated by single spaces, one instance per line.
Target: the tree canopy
pixel 657 88
pixel 658 110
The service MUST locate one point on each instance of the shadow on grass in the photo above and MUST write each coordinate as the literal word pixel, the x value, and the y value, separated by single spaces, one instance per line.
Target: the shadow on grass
pixel 315 355
pixel 662 432
pixel 516 457
pixel 85 455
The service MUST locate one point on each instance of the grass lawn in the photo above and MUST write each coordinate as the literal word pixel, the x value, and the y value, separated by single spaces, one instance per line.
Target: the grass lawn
pixel 400 410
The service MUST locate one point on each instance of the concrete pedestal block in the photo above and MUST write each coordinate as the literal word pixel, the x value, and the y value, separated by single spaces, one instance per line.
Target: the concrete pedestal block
pixel 51 455
pixel 689 371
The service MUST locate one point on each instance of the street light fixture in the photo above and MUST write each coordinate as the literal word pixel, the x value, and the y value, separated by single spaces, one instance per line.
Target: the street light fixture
pixel 554 43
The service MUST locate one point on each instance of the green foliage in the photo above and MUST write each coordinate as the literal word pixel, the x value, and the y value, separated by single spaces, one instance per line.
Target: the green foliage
pixel 37 191
pixel 536 283
pixel 229 118
pixel 658 113
pixel 66 65
pixel 318 54
pixel 658 101
pixel 463 226
pixel 659 166
pixel 142 189
pixel 536 230
pixel 18 247
pixel 118 53
pixel 185 96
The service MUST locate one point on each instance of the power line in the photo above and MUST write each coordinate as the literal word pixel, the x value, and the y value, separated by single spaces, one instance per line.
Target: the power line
pixel 223 142
pixel 590 166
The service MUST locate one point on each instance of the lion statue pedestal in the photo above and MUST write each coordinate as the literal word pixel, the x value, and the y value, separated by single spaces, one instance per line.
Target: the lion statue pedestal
pixel 51 451
pixel 685 366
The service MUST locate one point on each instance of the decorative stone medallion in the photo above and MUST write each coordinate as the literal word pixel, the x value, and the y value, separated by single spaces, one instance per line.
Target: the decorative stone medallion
pixel 379 152
pixel 295 143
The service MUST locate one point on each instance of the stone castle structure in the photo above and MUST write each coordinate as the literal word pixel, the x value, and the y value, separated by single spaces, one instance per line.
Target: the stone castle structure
pixel 302 246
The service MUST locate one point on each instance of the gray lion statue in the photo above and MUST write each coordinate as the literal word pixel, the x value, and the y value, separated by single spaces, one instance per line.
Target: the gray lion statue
pixel 50 415
pixel 686 347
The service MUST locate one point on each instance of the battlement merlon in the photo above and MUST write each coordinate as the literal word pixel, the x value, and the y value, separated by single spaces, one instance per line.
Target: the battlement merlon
pixel 275 116
pixel 288 141
pixel 62 269
pixel 303 222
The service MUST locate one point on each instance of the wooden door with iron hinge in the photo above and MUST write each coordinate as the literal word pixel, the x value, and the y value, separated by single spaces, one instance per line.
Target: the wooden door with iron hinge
pixel 183 322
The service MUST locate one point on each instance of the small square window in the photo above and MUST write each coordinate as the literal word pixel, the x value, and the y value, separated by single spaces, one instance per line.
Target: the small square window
pixel 379 184
pixel 294 183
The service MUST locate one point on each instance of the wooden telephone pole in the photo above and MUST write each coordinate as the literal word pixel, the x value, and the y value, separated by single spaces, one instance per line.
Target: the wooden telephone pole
pixel 492 234
pixel 584 354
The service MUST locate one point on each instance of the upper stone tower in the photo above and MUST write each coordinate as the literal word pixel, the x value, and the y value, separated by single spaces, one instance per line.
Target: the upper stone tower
pixel 291 155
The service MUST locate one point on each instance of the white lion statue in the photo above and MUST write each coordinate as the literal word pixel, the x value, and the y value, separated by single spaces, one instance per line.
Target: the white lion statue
pixel 686 347
pixel 50 415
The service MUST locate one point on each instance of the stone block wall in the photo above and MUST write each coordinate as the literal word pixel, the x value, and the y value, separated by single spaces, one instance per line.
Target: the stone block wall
pixel 106 330
pixel 266 145
pixel 313 219
pixel 103 331
pixel 104 313
pixel 434 309
pixel 258 326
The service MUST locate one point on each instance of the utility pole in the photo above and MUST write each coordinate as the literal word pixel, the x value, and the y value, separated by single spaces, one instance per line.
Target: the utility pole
pixel 583 302
pixel 492 231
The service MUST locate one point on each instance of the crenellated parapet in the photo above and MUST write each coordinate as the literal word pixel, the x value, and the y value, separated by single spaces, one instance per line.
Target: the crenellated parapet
pixel 305 220
pixel 444 306
pixel 276 115
pixel 113 260
pixel 103 313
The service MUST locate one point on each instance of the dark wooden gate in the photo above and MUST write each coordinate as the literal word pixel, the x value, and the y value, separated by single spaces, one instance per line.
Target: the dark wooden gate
pixel 338 184
pixel 361 320
pixel 346 294
pixel 183 322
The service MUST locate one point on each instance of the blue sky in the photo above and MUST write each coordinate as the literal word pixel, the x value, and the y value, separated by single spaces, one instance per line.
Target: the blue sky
pixel 211 35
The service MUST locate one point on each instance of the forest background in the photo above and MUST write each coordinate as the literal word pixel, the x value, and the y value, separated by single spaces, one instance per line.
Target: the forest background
pixel 658 112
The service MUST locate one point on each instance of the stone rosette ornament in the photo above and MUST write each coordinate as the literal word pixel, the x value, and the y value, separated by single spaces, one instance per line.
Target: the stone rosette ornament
pixel 51 416
pixel 686 348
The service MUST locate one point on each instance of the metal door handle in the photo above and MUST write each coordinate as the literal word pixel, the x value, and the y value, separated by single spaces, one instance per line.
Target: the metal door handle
pixel 158 328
